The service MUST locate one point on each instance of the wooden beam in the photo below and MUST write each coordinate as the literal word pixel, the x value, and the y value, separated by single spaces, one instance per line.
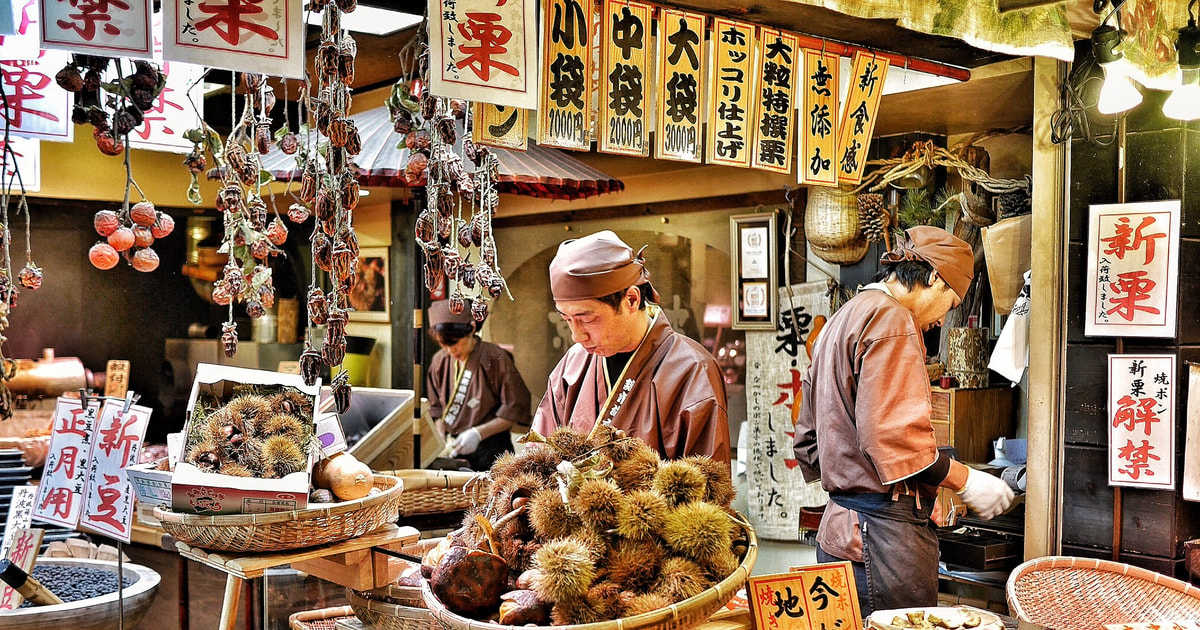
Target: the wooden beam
pixel 1012 5
pixel 680 206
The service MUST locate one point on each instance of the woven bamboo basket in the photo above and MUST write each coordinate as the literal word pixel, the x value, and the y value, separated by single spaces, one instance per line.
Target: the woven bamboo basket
pixel 277 531
pixel 1069 593
pixel 380 615
pixel 680 616
pixel 831 226
pixel 439 491
pixel 322 619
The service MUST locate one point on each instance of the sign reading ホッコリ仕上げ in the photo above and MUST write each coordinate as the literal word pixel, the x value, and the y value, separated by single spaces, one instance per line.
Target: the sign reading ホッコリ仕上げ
pixel 1141 414
pixel 484 50
pixel 1133 269
pixel 733 92
pixel 263 36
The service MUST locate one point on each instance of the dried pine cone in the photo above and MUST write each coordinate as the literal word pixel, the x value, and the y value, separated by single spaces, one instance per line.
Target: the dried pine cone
pixel 872 216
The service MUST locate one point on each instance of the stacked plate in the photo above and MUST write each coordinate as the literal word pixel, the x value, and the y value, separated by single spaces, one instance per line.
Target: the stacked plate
pixel 14 473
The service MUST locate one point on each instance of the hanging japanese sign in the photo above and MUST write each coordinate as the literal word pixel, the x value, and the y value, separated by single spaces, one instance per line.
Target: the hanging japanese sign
pixel 814 597
pixel 500 126
pixel 60 494
pixel 263 36
pixel 733 93
pixel 858 115
pixel 775 114
pixel 680 77
pixel 819 120
pixel 484 50
pixel 624 70
pixel 21 42
pixel 1141 415
pixel 777 361
pixel 171 114
pixel 109 28
pixel 20 514
pixel 24 155
pixel 566 91
pixel 36 106
pixel 1133 269
pixel 108 501
pixel 27 543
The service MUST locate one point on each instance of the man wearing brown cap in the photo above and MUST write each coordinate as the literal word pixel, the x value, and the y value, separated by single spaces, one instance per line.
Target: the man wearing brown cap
pixel 475 393
pixel 864 427
pixel 628 367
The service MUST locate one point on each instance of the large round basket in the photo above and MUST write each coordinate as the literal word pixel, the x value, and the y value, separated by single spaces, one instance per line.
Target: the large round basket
pixel 1068 593
pixel 277 531
pixel 831 226
pixel 322 619
pixel 96 613
pixel 381 615
pixel 439 491
pixel 681 616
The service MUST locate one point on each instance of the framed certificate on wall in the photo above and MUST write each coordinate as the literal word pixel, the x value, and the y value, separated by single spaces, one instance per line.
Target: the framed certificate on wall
pixel 753 246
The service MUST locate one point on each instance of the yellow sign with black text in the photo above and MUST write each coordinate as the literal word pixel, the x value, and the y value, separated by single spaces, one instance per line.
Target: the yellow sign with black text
pixel 500 126
pixel 732 95
pixel 775 115
pixel 858 115
pixel 817 163
pixel 679 86
pixel 625 75
pixel 566 91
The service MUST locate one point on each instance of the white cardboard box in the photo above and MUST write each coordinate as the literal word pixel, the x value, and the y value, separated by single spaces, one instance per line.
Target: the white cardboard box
pixel 152 486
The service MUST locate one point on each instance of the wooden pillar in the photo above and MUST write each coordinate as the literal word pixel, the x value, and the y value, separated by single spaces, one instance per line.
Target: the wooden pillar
pixel 403 266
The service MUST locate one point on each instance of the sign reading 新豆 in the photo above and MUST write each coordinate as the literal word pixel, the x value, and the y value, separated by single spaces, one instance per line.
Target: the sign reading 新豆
pixel 680 85
pixel 263 36
pixel 733 87
pixel 819 120
pixel 566 92
pixel 108 502
pixel 111 28
pixel 1133 265
pixel 27 543
pixel 484 50
pixel 814 597
pixel 775 112
pixel 500 126
pixel 624 72
pixel 1141 414
pixel 858 116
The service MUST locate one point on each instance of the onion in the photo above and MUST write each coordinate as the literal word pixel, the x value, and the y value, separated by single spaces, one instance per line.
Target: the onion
pixel 345 476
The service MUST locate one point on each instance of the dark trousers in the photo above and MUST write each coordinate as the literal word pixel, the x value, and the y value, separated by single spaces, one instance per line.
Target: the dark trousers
pixel 489 450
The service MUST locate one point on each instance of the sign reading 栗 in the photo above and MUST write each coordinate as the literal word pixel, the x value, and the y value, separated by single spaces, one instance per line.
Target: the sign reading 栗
pixel 484 50
pixel 624 70
pixel 819 120
pixel 563 117
pixel 732 97
pixel 112 28
pixel 775 115
pixel 680 76
pixel 263 36
pixel 858 116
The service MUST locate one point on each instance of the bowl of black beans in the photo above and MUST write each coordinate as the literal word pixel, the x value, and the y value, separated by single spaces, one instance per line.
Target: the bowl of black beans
pixel 88 589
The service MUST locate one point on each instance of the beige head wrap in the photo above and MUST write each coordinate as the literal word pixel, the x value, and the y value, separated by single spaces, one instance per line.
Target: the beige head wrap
pixel 951 257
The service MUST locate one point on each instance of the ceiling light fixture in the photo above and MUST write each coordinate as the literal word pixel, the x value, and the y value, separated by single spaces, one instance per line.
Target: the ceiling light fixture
pixel 371 20
pixel 1118 93
pixel 1184 102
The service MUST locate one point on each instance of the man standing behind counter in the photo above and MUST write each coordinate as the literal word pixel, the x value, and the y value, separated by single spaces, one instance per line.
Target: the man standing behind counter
pixel 864 427
pixel 628 367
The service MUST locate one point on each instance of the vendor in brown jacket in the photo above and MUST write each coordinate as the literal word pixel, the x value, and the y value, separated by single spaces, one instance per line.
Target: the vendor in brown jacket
pixel 475 393
pixel 628 367
pixel 864 427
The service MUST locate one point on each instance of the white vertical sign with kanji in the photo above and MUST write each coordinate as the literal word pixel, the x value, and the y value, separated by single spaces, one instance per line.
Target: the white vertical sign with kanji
pixel 23 155
pixel 263 36
pixel 776 362
pixel 108 28
pixel 20 514
pixel 1133 269
pixel 26 545
pixel 171 114
pixel 36 107
pixel 1141 421
pixel 484 50
pixel 60 494
pixel 22 41
pixel 108 502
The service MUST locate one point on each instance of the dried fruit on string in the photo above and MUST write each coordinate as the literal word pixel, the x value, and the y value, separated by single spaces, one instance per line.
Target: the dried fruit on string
pixel 417 140
pixel 234 279
pixel 235 156
pixel 466 184
pixel 216 173
pixel 331 21
pixel 433 277
pixel 328 228
pixel 445 225
pixel 297 213
pixel 322 250
pixel 343 263
pixel 79 115
pixel 339 131
pixel 255 309
pixel 257 213
pixel 351 192
pixel 458 107
pixel 229 198
pixel 260 248
pixel 92 80
pixel 142 236
pixel 450 261
pixel 353 141
pixel 98 117
pixel 229 338
pixel 262 137
pixel 414 170
pixel 268 100
pixel 495 286
pixel 466 275
pixel 429 106
pixel 106 222
pixel 266 294
pixel 69 79
pixel 403 122
pixel 346 53
pixel 488 253
pixel 142 213
pixel 30 276
pixel 221 295
pixel 163 225
pixel 195 162
pixel 477 231
pixel 145 260
pixel 125 120
pixel 479 310
pixel 340 388
pixel 318 308
pixel 327 61
pixel 323 206
pixel 347 6
pixel 333 350
pixel 277 233
pixel 107 144
pixel 252 81
pixel 308 183
pixel 310 365
pixel 464 233
pixel 446 128
pixel 289 143
pixel 457 303
pixel 121 239
pixel 337 160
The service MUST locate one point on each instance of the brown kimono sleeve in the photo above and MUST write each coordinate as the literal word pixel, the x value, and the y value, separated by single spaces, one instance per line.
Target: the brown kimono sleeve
pixel 804 443
pixel 892 408
pixel 546 419
pixel 514 395
pixel 435 385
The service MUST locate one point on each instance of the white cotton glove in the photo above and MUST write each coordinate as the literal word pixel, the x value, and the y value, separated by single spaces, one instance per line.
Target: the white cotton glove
pixel 985 494
pixel 469 440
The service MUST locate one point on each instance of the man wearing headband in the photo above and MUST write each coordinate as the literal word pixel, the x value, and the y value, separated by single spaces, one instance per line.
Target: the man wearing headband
pixel 628 367
pixel 864 427
pixel 475 393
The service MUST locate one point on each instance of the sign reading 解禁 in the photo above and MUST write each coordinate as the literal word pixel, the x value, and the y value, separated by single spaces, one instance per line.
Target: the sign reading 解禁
pixel 1141 414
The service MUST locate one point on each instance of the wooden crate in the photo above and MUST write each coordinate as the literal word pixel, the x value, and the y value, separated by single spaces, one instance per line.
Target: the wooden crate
pixel 971 419
pixel 386 416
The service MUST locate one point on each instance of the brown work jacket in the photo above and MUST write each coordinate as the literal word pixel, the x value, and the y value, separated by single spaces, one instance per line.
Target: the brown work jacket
pixel 495 389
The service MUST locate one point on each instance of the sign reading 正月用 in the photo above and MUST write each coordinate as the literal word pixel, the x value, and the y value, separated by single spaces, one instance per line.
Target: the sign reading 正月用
pixel 733 93
pixel 775 114
pixel 813 597
pixel 484 51
pixel 858 115
pixel 680 128
pixel 108 500
pixel 625 77
pixel 263 36
pixel 819 120
pixel 1141 420
pixel 108 28
pixel 65 476
pixel 500 126
pixel 566 90
pixel 1133 269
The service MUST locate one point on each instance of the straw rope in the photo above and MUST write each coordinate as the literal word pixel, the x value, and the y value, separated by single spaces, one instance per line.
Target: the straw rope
pixel 927 155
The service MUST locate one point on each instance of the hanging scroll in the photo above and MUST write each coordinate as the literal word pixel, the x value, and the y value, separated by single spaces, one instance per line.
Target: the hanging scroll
pixel 732 97
pixel 679 79
pixel 109 28
pixel 858 116
pixel 819 120
pixel 625 42
pixel 566 75
pixel 500 126
pixel 775 111
pixel 484 50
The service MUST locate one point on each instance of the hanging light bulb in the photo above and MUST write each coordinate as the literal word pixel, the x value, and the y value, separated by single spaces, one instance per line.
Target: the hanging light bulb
pixel 1184 102
pixel 1118 93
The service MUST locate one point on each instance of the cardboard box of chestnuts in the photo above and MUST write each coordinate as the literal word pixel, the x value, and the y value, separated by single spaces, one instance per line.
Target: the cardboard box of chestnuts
pixel 248 443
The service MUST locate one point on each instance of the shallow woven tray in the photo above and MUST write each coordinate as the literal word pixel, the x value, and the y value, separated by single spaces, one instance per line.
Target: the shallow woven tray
pixel 277 531
pixel 379 615
pixel 438 491
pixel 680 616
pixel 1069 593
pixel 323 619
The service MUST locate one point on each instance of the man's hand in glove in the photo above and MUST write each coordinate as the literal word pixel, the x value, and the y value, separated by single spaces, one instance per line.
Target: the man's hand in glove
pixel 985 495
pixel 469 440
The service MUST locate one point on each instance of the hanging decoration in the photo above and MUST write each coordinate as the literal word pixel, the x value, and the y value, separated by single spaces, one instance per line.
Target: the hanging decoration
pixel 858 115
pixel 625 72
pixel 819 119
pixel 733 93
pixel 566 90
pixel 258 36
pixel 775 115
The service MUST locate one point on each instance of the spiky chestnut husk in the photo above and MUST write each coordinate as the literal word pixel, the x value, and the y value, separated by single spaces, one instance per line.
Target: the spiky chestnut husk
pixel 234 469
pixel 291 401
pixel 549 516
pixel 281 457
pixel 567 569
pixel 206 455
pixel 680 482
pixel 284 425
pixel 598 502
pixel 251 408
pixel 721 565
pixel 542 462
pixel 719 490
pixel 645 603
pixel 642 515
pixel 637 470
pixel 699 531
pixel 609 599
pixel 635 564
pixel 569 443
pixel 517 551
pixel 576 610
pixel 680 579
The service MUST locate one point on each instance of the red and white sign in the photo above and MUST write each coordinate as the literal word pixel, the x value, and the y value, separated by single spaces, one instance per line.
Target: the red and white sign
pixel 171 114
pixel 60 494
pixel 22 43
pixel 108 503
pixel 484 50
pixel 26 545
pixel 20 514
pixel 110 28
pixel 263 36
pixel 1141 421
pixel 36 106
pixel 22 155
pixel 1133 269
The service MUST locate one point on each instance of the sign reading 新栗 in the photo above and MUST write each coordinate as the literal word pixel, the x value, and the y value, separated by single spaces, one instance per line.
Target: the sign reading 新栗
pixel 1133 269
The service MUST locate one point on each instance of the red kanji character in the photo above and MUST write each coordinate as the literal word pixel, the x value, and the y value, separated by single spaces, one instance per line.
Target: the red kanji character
pixel 483 28
pixel 91 12
pixel 106 512
pixel 1135 287
pixel 68 458
pixel 75 424
pixel 792 388
pixel 24 85
pixel 1120 241
pixel 1138 457
pixel 6 603
pixel 5 151
pixel 1130 416
pixel 61 499
pixel 232 15
pixel 21 548
pixel 160 106
pixel 117 435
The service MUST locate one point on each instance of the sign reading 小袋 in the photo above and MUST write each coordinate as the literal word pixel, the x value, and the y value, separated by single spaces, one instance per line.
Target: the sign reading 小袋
pixel 731 100
pixel 263 36
pixel 680 86
pixel 775 114
pixel 1141 414
pixel 108 28
pixel 819 120
pixel 625 77
pixel 566 91
pixel 1133 269
pixel 484 50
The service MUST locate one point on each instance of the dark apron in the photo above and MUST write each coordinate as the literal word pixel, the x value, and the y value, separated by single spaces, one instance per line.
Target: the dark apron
pixel 489 450
pixel 900 551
